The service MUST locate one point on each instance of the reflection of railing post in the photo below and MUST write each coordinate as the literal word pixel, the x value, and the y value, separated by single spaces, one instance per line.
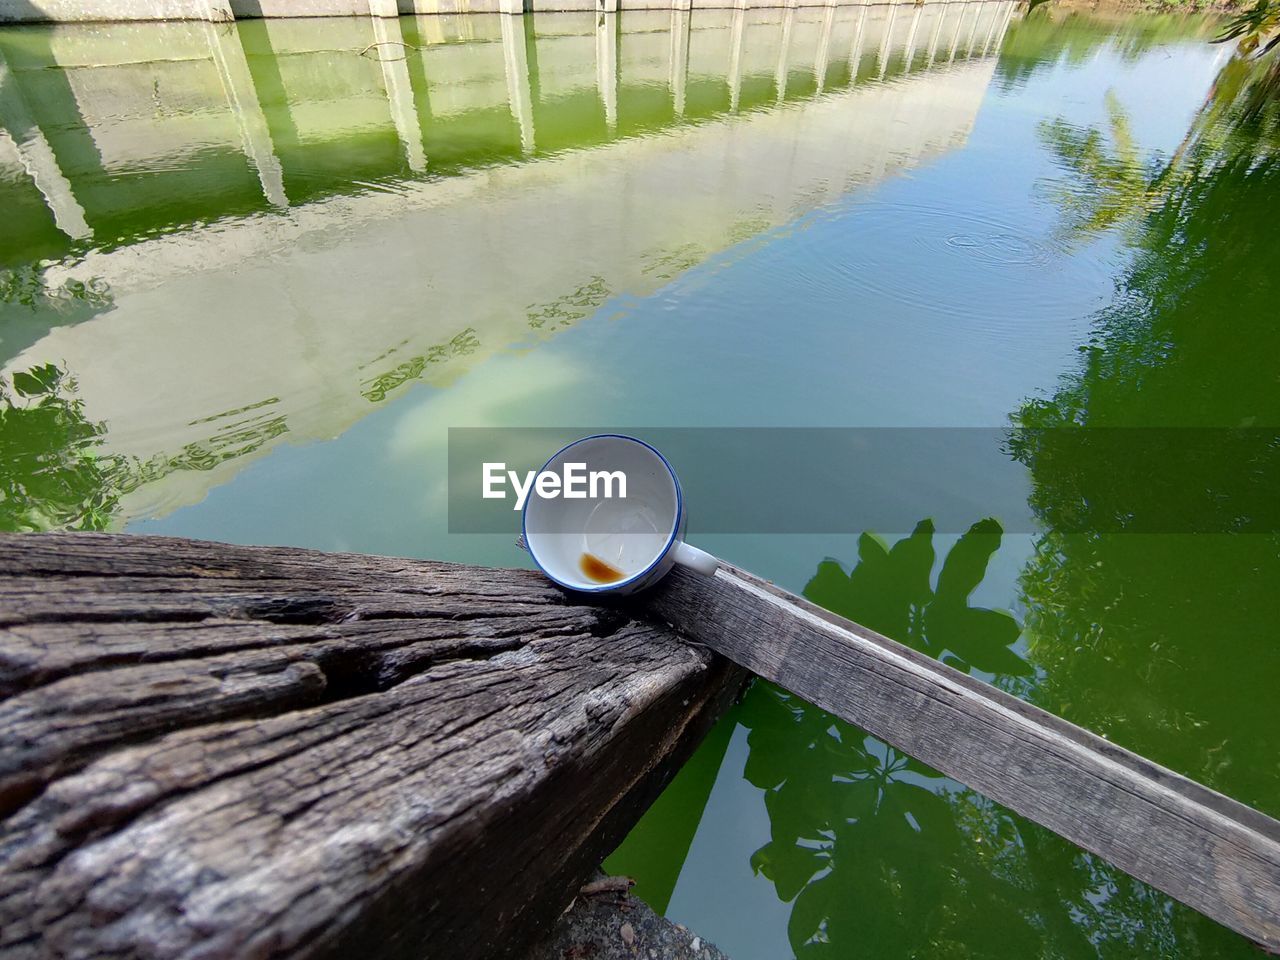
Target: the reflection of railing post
pixel 911 37
pixel 20 135
pixel 780 73
pixel 955 34
pixel 955 39
pixel 882 58
pixel 679 73
pixel 998 34
pixel 824 47
pixel 736 30
pixel 36 157
pixel 395 79
pixel 941 14
pixel 607 66
pixel 996 17
pixel 973 30
pixel 515 56
pixel 855 51
pixel 242 101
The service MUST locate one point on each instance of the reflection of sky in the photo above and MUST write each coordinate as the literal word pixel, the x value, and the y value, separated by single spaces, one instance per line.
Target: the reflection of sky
pixel 724 894
pixel 942 297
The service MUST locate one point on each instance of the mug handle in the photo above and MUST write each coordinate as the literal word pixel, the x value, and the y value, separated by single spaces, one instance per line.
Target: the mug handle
pixel 699 561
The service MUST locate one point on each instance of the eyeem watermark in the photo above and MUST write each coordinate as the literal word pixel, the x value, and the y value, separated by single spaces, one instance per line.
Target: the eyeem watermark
pixel 847 480
pixel 575 482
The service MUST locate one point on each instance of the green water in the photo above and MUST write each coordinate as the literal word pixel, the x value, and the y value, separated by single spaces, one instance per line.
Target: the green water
pixel 249 277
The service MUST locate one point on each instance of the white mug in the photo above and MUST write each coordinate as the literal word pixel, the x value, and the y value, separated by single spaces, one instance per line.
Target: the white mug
pixel 605 543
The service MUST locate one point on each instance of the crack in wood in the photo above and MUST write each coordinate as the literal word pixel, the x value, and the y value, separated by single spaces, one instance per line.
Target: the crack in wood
pixel 336 754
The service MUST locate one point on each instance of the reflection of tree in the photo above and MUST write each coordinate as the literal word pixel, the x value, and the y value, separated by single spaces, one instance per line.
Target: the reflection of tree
pixel 1167 643
pixel 1113 183
pixel 376 388
pixel 26 286
pixel 881 856
pixel 854 823
pixel 571 307
pixel 54 475
pixel 50 476
pixel 1255 26
pixel 889 591
pixel 1038 42
pixel 867 845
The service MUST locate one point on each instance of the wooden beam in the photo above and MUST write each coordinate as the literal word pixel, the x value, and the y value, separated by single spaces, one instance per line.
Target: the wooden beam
pixel 1205 849
pixel 230 752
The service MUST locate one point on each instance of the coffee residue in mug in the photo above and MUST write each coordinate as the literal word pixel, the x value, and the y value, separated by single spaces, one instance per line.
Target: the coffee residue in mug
pixel 593 568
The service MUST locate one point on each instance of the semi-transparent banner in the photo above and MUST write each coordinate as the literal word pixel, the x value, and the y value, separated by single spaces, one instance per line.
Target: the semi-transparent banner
pixel 850 480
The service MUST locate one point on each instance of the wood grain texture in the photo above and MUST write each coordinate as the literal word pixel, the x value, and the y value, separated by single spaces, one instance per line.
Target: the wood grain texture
pixel 210 751
pixel 1212 853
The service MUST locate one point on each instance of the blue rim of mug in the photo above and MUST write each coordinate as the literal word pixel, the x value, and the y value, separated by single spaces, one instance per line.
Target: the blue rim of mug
pixel 671 539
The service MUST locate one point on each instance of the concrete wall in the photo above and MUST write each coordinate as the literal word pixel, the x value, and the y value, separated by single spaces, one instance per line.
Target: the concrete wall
pixel 72 11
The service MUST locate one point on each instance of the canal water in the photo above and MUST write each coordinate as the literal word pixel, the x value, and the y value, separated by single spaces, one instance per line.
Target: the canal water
pixel 252 273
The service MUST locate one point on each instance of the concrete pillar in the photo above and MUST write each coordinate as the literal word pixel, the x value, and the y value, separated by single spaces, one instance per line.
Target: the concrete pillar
pixel 607 66
pixel 824 47
pixel 611 6
pixel 780 73
pixel 24 139
pixel 511 6
pixel 737 27
pixel 855 50
pixel 384 8
pixel 679 73
pixel 516 58
pixel 941 9
pixel 911 37
pixel 242 101
pixel 882 58
pixel 395 80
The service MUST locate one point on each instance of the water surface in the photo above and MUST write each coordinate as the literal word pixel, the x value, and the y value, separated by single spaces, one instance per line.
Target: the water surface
pixel 250 276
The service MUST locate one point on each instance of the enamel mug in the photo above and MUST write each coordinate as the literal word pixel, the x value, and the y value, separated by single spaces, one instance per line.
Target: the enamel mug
pixel 621 530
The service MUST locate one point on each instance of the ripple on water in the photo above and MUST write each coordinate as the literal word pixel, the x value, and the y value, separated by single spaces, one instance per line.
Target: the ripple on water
pixel 954 264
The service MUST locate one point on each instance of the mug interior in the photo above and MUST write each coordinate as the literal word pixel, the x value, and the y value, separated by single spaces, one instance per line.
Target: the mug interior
pixel 630 534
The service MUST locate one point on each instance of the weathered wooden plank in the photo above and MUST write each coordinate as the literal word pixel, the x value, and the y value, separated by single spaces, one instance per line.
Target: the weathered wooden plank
pixel 1210 852
pixel 214 751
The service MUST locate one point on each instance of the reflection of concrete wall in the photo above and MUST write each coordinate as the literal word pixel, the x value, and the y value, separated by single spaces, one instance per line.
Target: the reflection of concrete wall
pixel 135 110
pixel 19 11
pixel 124 103
pixel 69 11
pixel 319 311
pixel 471 76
